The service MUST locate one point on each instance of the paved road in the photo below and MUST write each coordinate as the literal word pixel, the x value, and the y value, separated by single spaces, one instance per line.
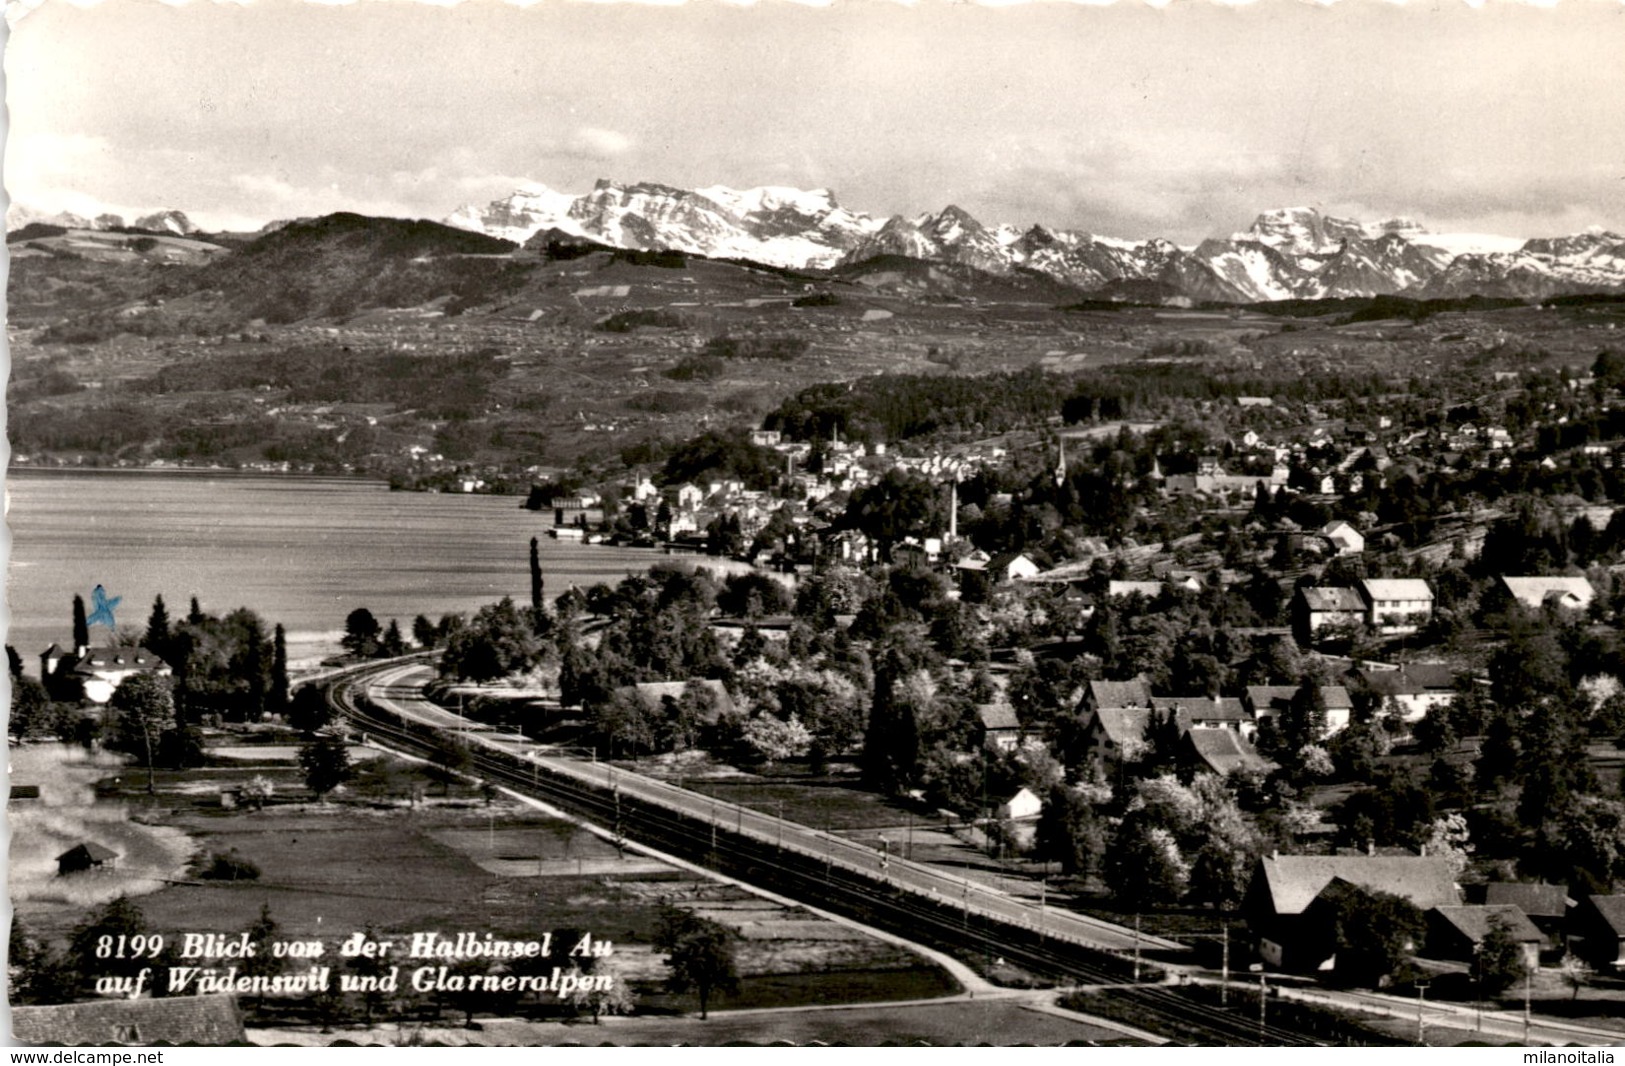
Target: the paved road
pixel 1494 1024
pixel 399 689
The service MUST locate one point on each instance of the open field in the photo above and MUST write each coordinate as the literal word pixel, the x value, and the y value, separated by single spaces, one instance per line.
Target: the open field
pixel 68 813
pixel 837 800
pixel 447 864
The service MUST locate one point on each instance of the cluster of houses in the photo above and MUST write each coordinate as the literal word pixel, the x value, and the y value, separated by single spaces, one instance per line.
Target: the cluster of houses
pixel 1292 901
pixel 1399 606
pixel 1216 733
pixel 1388 606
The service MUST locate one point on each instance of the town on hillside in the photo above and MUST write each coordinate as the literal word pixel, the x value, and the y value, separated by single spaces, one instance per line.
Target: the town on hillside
pixel 1320 690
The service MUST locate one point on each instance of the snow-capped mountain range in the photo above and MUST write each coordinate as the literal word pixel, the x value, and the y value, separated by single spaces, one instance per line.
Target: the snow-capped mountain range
pixel 1292 253
pixel 168 221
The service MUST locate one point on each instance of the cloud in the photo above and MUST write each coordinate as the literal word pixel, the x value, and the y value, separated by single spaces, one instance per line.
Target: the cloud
pixel 36 162
pixel 594 142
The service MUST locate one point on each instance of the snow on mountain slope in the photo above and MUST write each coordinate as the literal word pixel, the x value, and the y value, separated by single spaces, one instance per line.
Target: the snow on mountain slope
pixel 1454 244
pixel 1292 252
pixel 771 224
pixel 1302 231
pixel 516 217
pixel 170 221
pixel 1256 271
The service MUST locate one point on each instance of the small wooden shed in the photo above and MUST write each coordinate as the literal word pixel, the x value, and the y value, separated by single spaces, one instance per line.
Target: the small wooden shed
pixel 87 856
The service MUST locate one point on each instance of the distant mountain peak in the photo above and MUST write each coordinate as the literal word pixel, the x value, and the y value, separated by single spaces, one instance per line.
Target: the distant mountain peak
pixel 168 221
pixel 1287 252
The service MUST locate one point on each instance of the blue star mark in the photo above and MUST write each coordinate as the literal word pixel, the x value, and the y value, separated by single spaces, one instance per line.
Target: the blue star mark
pixel 102 608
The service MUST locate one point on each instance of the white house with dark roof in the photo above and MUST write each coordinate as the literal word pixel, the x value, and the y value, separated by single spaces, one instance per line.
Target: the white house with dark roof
pixel 1024 805
pixel 1205 712
pixel 1013 566
pixel 1344 537
pixel 100 671
pixel 1413 689
pixel 1317 612
pixel 1268 701
pixel 1001 729
pixel 1397 605
pixel 1573 593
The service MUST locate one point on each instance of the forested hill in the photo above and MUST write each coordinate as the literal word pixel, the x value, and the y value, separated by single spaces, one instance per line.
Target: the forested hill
pixel 337 264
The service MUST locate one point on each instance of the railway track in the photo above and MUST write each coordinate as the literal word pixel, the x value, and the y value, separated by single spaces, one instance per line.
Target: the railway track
pixel 820 880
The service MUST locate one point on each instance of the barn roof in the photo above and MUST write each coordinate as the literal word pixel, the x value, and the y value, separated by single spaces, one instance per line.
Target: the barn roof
pixel 1123 725
pixel 1268 698
pixel 1223 751
pixel 1396 588
pixel 1411 679
pixel 1534 591
pixel 1119 693
pixel 1535 900
pixel 91 850
pixel 1331 599
pixel 127 657
pixel 1474 922
pixel 209 1020
pixel 1292 881
pixel 1203 708
pixel 1611 909
pixel 997 716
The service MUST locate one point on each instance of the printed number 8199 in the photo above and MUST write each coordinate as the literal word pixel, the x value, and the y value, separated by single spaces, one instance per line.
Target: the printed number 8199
pixel 129 947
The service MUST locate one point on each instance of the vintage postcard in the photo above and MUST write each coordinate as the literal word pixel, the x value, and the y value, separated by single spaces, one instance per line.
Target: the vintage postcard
pixel 821 523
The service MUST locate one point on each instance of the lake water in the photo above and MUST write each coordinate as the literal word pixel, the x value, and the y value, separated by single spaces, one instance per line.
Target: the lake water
pixel 302 552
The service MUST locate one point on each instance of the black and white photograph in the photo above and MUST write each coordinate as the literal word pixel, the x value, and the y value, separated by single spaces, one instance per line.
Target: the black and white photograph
pixel 816 522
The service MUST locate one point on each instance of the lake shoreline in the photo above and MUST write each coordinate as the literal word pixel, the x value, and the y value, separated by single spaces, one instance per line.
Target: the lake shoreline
pixel 299 551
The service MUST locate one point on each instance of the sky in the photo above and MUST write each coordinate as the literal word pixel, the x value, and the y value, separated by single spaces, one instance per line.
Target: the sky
pixel 1180 121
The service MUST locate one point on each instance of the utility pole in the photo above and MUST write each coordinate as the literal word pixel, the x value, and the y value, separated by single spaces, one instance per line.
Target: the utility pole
pixel 1136 948
pixel 1224 966
pixel 1421 1023
pixel 1527 975
pixel 781 826
pixel 1262 1004
pixel 1043 890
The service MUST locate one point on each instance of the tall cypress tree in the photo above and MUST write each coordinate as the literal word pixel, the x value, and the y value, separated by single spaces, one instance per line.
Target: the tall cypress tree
pixel 278 700
pixel 157 638
pixel 254 668
pixel 195 615
pixel 81 630
pixel 535 584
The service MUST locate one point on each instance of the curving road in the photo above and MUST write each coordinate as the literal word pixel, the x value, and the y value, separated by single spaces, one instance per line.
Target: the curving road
pixel 926 905
pixel 399 689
